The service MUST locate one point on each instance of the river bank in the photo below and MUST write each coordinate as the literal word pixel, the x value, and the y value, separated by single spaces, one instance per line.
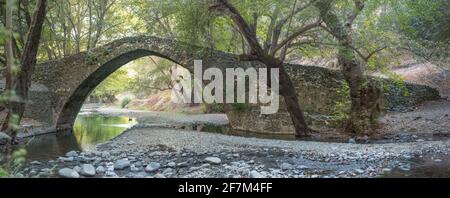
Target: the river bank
pixel 162 152
pixel 166 145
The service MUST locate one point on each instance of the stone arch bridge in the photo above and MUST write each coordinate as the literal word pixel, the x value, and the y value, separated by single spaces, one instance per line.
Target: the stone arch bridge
pixel 60 87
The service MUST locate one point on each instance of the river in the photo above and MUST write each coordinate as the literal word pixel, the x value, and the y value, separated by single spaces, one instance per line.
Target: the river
pixel 88 131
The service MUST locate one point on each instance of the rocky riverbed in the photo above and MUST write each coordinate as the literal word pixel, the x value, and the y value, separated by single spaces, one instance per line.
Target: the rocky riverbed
pixel 152 152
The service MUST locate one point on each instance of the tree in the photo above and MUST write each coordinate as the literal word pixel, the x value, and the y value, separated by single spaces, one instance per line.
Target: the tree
pixel 425 27
pixel 73 26
pixel 365 96
pixel 118 82
pixel 153 74
pixel 267 56
pixel 27 63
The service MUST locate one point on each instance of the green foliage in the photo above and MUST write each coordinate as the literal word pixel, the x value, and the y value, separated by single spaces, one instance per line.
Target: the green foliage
pixel 153 74
pixel 125 102
pixel 118 82
pixel 398 80
pixel 11 165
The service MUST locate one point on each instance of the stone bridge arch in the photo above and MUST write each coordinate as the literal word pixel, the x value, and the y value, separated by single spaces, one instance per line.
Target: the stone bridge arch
pixel 70 80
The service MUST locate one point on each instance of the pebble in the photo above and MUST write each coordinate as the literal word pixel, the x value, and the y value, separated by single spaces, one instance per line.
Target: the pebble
pixel 35 163
pixel 87 170
pixel 152 166
pixel 68 173
pixel 71 154
pixel 171 164
pixel 351 141
pixel 167 171
pixel 213 160
pixel 159 175
pixel 77 168
pixel 66 159
pixel 100 169
pixel 315 176
pixel 286 166
pixel 386 170
pixel 121 164
pixel 256 174
pixel 359 171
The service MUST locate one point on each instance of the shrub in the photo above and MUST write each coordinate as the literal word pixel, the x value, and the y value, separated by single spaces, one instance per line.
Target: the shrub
pixel 125 102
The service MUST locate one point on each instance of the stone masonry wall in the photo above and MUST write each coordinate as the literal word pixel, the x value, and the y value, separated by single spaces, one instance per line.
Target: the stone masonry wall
pixel 317 89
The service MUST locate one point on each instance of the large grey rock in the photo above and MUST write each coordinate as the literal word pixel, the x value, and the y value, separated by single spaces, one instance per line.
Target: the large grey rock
pixel 153 166
pixel 87 170
pixel 68 173
pixel 213 160
pixel 122 164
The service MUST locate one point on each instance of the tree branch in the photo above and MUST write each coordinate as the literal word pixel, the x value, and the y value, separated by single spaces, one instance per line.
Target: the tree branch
pixel 359 6
pixel 297 34
pixel 243 26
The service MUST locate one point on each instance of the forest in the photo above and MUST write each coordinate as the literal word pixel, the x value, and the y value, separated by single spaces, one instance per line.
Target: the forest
pixel 351 73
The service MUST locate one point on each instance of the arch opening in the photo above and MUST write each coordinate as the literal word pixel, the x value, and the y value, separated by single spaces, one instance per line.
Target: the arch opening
pixel 74 103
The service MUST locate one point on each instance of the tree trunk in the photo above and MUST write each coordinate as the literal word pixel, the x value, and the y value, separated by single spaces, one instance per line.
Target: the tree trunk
pixel 9 52
pixel 287 90
pixel 365 96
pixel 28 61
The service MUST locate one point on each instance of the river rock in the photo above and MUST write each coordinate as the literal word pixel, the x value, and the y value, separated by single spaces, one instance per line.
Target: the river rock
pixel 35 163
pixel 159 175
pixel 386 170
pixel 171 164
pixel 68 173
pixel 286 166
pixel 133 168
pixel 77 168
pixel 122 164
pixel 359 171
pixel 213 160
pixel 100 169
pixel 66 159
pixel 87 170
pixel 153 166
pixel 351 141
pixel 182 164
pixel 71 154
pixel 256 174
pixel 167 171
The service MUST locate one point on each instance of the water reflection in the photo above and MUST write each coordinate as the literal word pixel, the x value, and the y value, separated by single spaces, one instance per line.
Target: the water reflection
pixel 88 131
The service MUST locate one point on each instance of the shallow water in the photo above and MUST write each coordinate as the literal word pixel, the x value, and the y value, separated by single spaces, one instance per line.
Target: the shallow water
pixel 88 131
pixel 424 167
